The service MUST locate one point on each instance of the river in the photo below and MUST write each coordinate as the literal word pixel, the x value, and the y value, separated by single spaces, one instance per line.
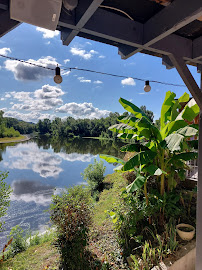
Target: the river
pixel 41 167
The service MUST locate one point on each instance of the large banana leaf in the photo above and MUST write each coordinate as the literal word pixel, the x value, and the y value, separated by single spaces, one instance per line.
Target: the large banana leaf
pixel 190 111
pixel 153 170
pixel 122 128
pixel 141 158
pixel 112 159
pixel 174 141
pixel 136 184
pixel 166 107
pixel 185 156
pixel 134 148
pixel 129 120
pixel 172 126
pixel 130 107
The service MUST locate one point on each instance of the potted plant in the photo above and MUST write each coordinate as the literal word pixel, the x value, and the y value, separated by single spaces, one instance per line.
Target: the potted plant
pixel 185 231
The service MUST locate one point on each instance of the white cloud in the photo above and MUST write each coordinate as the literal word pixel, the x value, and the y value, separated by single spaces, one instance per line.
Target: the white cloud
pixel 93 52
pixel 76 157
pixel 30 157
pixel 7 96
pixel 98 82
pixel 2 99
pixel 83 80
pixel 143 93
pixel 27 72
pixel 28 117
pixel 66 61
pixel 82 110
pixel 5 51
pixel 48 43
pixel 65 73
pixel 101 56
pixel 128 81
pixel 48 33
pixel 82 53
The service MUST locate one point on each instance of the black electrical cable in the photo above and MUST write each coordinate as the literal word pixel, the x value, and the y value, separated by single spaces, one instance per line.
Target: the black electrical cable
pixel 90 70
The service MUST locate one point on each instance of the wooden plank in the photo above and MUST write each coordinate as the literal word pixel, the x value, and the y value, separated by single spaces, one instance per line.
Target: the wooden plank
pixel 6 24
pixel 83 14
pixel 187 77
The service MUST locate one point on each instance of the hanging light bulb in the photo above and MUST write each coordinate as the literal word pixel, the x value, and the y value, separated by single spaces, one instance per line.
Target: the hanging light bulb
pixel 147 87
pixel 58 77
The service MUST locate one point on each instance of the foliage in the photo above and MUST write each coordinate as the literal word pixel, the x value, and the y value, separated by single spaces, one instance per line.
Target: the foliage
pixel 5 192
pixel 19 242
pixel 94 175
pixel 7 131
pixel 71 214
pixel 159 153
pixel 71 127
pixel 148 113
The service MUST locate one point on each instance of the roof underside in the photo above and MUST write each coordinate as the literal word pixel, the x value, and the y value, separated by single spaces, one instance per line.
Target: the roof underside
pixel 156 27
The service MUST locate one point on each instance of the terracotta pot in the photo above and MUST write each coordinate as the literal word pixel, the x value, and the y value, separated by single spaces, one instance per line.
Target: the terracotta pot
pixel 185 235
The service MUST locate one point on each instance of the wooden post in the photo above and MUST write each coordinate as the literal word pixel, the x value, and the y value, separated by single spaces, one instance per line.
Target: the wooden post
pixel 199 199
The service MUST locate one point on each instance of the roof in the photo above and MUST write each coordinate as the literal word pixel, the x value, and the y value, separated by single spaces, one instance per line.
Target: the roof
pixel 156 27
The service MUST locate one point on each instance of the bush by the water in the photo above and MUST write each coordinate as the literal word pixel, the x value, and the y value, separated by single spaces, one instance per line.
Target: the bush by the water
pixel 71 214
pixel 94 175
pixel 5 192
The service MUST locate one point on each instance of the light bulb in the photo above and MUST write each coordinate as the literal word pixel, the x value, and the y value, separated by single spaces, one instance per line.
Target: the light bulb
pixel 147 87
pixel 58 77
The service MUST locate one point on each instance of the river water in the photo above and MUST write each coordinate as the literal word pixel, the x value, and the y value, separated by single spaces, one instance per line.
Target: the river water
pixel 41 167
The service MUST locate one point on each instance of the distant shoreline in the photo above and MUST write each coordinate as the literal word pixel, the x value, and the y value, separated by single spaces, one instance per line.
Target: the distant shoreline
pixel 20 139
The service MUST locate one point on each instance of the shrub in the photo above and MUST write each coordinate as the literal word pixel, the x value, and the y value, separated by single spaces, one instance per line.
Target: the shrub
pixel 94 175
pixel 71 214
pixel 5 191
pixel 19 242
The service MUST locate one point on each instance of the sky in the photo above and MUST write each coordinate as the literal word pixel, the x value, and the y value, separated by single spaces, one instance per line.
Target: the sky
pixel 29 93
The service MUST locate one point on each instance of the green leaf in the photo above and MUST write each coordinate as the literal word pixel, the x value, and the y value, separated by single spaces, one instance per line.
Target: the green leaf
pixel 166 107
pixel 129 120
pixel 171 127
pixel 184 98
pixel 118 168
pixel 174 142
pixel 136 184
pixel 190 111
pixel 122 128
pixel 133 148
pixel 153 170
pixel 185 156
pixel 112 159
pixel 141 158
pixel 130 107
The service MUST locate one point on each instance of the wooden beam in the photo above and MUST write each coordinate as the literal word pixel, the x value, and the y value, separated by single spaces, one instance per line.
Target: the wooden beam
pixel 197 48
pixel 6 24
pixel 178 14
pixel 84 11
pixel 187 77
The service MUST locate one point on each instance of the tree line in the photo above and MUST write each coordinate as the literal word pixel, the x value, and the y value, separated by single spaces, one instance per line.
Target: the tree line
pixel 67 128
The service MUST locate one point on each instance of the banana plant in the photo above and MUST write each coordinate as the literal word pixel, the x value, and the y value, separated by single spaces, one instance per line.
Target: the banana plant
pixel 161 153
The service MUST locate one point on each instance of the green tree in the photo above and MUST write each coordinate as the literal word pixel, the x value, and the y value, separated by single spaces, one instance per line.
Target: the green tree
pixel 94 175
pixel 5 192
pixel 148 113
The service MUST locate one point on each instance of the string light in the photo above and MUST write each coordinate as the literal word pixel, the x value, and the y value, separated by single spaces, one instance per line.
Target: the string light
pixel 147 87
pixel 92 71
pixel 57 78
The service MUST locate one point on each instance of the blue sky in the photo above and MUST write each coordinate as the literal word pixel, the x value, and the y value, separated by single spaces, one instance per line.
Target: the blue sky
pixel 29 93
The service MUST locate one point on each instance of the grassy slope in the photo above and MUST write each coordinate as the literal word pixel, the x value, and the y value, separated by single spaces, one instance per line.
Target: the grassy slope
pixel 6 139
pixel 37 257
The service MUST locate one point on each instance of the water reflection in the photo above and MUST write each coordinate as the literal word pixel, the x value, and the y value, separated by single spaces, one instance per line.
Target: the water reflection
pixel 42 167
pixel 32 191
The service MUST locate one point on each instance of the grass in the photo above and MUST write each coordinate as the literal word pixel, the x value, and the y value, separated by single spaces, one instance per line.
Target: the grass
pixel 35 257
pixel 116 182
pixel 6 139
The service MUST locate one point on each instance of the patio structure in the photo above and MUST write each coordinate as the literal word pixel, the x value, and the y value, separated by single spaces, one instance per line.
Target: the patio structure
pixel 170 29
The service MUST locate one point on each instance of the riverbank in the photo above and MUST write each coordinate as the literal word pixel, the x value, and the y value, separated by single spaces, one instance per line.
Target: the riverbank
pixel 21 138
pixel 102 243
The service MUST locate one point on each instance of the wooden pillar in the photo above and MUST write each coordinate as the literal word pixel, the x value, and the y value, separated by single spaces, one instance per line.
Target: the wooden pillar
pixel 199 199
pixel 196 92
